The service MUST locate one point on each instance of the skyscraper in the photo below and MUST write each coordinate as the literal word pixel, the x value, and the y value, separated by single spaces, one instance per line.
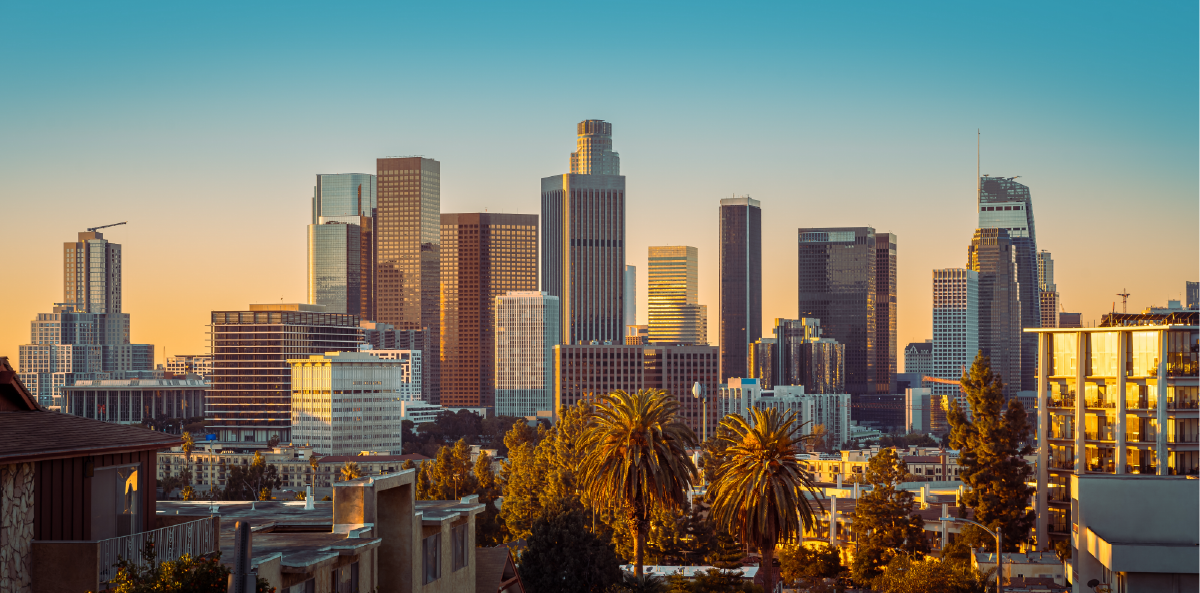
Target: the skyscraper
pixel 955 327
pixel 918 358
pixel 798 355
pixel 341 260
pixel 674 315
pixel 1047 291
pixel 1193 295
pixel 407 251
pixel 838 284
pixel 526 333
pixel 993 256
pixel 630 295
pixel 741 282
pixel 583 239
pixel 885 312
pixel 92 274
pixel 1006 204
pixel 484 255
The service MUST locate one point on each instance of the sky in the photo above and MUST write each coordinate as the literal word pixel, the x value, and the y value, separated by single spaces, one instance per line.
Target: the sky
pixel 204 126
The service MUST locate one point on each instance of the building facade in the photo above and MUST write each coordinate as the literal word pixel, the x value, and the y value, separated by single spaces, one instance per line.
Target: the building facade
pixel 130 401
pixel 918 358
pixel 630 295
pixel 1193 295
pixel 583 371
pixel 92 274
pixel 526 333
pixel 583 239
pixel 885 312
pixel 190 364
pixel 1047 290
pixel 1119 399
pixel 993 257
pixel 346 199
pixel 955 328
pixel 740 282
pixel 334 266
pixel 674 314
pixel 343 403
pixel 831 410
pixel 484 255
pixel 408 251
pixel 250 399
pixel 1005 204
pixel 838 284
pixel 637 335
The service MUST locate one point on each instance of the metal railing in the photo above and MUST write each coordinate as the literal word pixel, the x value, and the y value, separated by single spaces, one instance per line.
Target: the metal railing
pixel 194 538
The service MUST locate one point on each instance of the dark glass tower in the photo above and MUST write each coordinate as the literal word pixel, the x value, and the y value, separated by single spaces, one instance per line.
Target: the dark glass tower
pixel 741 283
pixel 838 284
pixel 993 255
pixel 885 312
pixel 1005 204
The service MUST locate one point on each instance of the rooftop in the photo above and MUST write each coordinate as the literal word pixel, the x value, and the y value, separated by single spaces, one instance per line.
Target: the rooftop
pixel 37 435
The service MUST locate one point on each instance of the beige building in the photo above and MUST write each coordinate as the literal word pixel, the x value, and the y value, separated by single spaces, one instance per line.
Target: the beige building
pixel 675 317
pixel 210 465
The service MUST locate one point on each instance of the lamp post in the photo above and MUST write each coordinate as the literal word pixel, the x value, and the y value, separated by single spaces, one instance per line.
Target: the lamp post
pixel 999 535
pixel 698 393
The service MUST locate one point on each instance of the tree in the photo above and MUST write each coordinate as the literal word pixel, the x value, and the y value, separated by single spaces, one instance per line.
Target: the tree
pixel 635 458
pixel 908 575
pixel 351 471
pixel 539 475
pixel 820 439
pixel 563 555
pixel 313 464
pixel 713 454
pixel 183 575
pixel 189 445
pixel 273 441
pixel 488 531
pixel 188 493
pixel 991 444
pixel 248 482
pixel 713 580
pixel 885 521
pixel 760 489
pixel 808 567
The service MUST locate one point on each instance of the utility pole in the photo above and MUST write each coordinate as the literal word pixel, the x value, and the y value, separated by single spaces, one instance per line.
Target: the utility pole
pixel 1124 299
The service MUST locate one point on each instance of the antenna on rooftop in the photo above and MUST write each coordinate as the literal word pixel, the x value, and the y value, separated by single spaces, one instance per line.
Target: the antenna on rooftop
pixel 1124 300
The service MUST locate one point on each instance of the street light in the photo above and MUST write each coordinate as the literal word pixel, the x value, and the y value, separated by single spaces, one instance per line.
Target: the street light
pixel 999 535
pixel 698 393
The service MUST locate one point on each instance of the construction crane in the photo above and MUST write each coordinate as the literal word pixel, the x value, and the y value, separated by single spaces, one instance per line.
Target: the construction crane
pixel 1124 300
pixel 96 228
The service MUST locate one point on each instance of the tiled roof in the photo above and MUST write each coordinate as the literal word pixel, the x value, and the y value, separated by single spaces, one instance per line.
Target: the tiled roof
pixel 38 435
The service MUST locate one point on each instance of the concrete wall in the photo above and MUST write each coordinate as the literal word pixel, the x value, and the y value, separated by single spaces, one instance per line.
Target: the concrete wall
pixel 16 527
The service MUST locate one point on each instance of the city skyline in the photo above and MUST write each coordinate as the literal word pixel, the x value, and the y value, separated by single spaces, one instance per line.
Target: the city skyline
pixel 240 176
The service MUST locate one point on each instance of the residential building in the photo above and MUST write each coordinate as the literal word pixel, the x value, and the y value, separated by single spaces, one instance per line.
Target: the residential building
pixel 830 410
pixel 674 314
pixel 1133 533
pixel 1048 291
pixel 918 358
pixel 838 284
pixel 956 329
pixel 586 370
pixel 210 465
pixel 408 252
pixel 250 399
pixel 740 282
pixel 630 295
pixel 346 402
pixel 583 239
pixel 190 364
pixel 636 335
pixel 484 255
pixel 74 491
pixel 92 274
pixel 527 331
pixel 1005 204
pixel 885 312
pixel 131 401
pixel 1121 399
pixel 1028 571
pixel 992 256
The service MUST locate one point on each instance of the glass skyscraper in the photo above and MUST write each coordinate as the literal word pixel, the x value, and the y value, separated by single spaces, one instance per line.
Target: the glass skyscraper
pixel 526 333
pixel 674 315
pixel 341 247
pixel 1006 204
pixel 955 327
pixel 741 282
pixel 994 257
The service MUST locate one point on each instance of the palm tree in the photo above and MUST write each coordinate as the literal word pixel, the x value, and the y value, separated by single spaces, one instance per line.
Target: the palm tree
pixel 350 471
pixel 189 445
pixel 759 491
pixel 636 457
pixel 312 463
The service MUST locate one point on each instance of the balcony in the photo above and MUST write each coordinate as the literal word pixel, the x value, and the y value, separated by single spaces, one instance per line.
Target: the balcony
pixel 1062 401
pixel 194 538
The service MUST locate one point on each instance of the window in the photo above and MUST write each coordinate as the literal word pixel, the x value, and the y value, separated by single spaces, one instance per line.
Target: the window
pixel 458 536
pixel 431 556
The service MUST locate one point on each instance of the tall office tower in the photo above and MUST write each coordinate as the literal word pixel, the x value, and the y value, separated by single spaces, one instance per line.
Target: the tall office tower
pixel 790 336
pixel 347 199
pixel 1006 204
pixel 92 274
pixel 955 328
pixel 630 295
pixel 583 239
pixel 885 312
pixel 526 333
pixel 798 355
pixel 918 358
pixel 741 282
pixel 673 289
pixel 994 257
pixel 484 255
pixel 1047 291
pixel 408 253
pixel 250 400
pixel 837 284
pixel 1193 295
pixel 334 266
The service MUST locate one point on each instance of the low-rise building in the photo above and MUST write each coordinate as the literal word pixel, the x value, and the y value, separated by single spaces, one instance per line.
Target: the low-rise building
pixel 1030 565
pixel 131 401
pixel 210 465
pixel 190 364
pixel 830 410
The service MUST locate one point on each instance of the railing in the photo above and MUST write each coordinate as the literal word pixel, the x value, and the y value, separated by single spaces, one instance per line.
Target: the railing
pixel 194 538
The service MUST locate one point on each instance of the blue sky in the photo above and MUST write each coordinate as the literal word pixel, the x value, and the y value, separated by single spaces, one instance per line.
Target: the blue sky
pixel 204 126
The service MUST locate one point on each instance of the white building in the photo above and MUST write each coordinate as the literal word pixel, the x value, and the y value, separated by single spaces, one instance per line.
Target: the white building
pixel 131 401
pixel 955 326
pixel 832 410
pixel 346 402
pixel 419 412
pixel 918 410
pixel 183 364
pixel 527 330
pixel 410 360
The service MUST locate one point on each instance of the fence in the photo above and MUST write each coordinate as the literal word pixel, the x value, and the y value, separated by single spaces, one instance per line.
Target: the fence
pixel 194 538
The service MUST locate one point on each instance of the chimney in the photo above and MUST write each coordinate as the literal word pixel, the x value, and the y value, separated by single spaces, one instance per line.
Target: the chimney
pixel 833 521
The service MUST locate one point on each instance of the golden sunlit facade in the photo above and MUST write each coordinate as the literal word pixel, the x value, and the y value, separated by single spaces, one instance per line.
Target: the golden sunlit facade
pixel 674 315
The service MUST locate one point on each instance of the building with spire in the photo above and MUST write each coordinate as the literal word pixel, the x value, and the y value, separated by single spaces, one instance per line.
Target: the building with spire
pixel 583 239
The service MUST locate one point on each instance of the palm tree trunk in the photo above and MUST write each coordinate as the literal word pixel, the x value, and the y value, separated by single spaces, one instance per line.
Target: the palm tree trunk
pixel 765 566
pixel 639 539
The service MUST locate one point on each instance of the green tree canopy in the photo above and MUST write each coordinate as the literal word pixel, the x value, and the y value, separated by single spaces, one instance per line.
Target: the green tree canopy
pixel 907 575
pixel 247 482
pixel 991 444
pixel 563 555
pixel 885 522
pixel 809 566
pixel 539 474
